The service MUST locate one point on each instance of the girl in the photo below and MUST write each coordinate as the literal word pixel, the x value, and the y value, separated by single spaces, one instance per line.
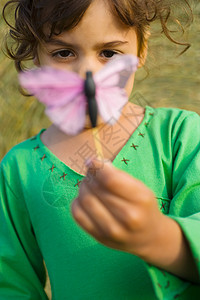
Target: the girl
pixel 139 212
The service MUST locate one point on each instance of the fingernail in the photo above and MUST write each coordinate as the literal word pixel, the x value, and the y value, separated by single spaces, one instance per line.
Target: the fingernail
pixel 88 161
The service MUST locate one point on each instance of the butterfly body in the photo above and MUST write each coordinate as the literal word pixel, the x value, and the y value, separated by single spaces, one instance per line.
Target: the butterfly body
pixel 90 93
pixel 65 93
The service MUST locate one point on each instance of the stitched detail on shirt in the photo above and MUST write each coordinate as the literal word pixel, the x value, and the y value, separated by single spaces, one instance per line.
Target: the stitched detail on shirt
pixel 163 204
pixel 134 146
pixel 37 147
pixel 125 160
pixel 43 157
pixel 52 168
pixel 64 174
pixel 78 182
pixel 141 134
pixel 167 285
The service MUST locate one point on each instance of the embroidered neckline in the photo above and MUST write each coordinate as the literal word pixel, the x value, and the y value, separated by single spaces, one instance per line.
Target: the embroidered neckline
pixel 55 162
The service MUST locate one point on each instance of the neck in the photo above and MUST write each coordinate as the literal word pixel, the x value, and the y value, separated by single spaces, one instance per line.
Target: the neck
pixel 55 135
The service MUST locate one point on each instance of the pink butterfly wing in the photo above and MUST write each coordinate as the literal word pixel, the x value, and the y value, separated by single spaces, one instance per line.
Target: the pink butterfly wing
pixel 62 93
pixel 110 104
pixel 111 81
pixel 70 118
pixel 52 86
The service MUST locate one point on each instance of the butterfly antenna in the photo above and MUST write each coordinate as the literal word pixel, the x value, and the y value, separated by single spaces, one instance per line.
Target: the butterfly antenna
pixel 90 93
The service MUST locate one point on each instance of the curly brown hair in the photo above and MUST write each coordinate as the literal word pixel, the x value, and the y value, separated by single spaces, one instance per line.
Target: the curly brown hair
pixel 30 17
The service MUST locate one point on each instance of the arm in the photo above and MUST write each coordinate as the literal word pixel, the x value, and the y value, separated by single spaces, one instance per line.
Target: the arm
pixel 184 209
pixel 22 273
pixel 171 252
pixel 185 205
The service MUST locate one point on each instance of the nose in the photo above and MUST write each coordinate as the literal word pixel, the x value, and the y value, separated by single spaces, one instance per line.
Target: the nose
pixel 87 64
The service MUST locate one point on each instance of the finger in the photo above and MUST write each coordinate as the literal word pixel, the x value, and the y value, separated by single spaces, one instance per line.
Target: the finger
pixel 100 216
pixel 87 225
pixel 83 219
pixel 117 181
pixel 124 212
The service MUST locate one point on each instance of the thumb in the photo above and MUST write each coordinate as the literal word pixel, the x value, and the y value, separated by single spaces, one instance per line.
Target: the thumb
pixel 96 165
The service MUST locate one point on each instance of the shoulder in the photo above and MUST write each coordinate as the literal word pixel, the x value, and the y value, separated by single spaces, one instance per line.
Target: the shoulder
pixel 173 113
pixel 173 118
pixel 175 127
pixel 19 154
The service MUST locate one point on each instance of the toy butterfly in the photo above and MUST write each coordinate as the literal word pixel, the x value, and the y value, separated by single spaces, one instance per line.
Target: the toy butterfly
pixel 65 93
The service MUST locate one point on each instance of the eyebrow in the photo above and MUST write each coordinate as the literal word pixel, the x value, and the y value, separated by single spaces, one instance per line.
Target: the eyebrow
pixel 58 42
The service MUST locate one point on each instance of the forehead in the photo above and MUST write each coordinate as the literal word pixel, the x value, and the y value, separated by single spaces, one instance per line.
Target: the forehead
pixel 99 19
pixel 90 13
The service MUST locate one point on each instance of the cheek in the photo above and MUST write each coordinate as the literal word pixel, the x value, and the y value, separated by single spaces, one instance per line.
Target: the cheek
pixel 129 85
pixel 43 58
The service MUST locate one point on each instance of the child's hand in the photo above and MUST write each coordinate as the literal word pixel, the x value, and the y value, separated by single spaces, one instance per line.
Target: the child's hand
pixel 121 212
pixel 117 209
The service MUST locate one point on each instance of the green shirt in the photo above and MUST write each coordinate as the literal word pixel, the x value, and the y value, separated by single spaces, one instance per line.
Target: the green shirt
pixel 36 192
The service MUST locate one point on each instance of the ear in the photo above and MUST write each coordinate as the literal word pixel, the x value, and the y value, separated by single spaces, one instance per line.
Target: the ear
pixel 36 60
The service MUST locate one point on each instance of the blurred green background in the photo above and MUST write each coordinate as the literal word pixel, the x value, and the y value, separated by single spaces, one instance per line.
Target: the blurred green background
pixel 172 81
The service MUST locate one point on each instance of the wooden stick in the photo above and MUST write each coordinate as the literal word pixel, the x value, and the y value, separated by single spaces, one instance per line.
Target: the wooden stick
pixel 97 143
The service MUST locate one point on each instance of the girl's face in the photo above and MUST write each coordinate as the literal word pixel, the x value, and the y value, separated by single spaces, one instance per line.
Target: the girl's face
pixel 97 38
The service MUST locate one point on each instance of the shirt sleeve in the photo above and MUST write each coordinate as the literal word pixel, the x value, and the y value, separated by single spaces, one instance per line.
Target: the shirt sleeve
pixel 22 272
pixel 184 206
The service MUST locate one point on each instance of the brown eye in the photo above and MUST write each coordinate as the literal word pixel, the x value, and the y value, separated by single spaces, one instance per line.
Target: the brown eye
pixel 63 54
pixel 108 53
